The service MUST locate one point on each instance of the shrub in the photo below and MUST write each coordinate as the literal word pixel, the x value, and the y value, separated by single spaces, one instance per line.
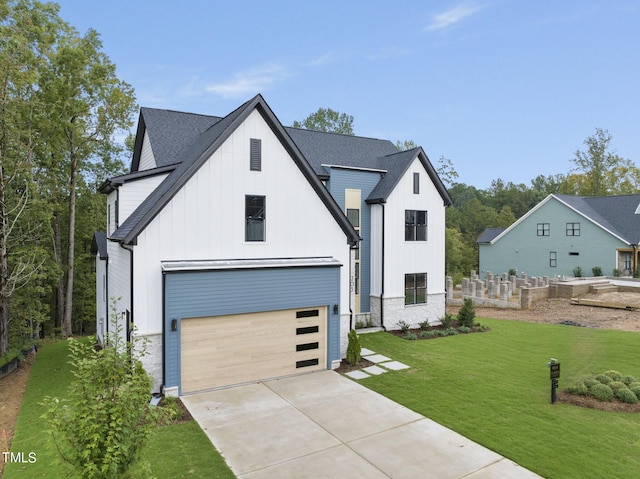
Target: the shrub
pixel 617 385
pixel 404 326
pixel 616 272
pixel 446 320
pixel 577 272
pixel 596 270
pixel 106 419
pixel 601 392
pixel 636 273
pixel 354 349
pixel 513 272
pixel 360 324
pixel 428 334
pixel 424 325
pixel 411 336
pixel 464 329
pixel 440 333
pixel 590 382
pixel 450 332
pixel 635 390
pixel 626 395
pixel 634 384
pixel 615 375
pixel 603 378
pixel 467 313
pixel 628 380
pixel 578 389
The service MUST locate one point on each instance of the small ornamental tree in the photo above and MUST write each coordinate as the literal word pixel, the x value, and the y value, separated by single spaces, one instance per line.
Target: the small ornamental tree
pixel 467 313
pixel 354 349
pixel 105 420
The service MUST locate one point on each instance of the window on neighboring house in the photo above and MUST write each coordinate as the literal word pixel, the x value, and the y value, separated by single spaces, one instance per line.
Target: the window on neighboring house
pixel 415 288
pixel 573 229
pixel 543 229
pixel 109 219
pixel 553 259
pixel 626 260
pixel 353 215
pixel 416 183
pixel 255 162
pixel 254 218
pixel 415 225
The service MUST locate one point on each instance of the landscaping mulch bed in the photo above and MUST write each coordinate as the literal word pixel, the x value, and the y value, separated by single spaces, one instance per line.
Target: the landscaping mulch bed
pixel 589 402
pixel 345 367
pixel 417 331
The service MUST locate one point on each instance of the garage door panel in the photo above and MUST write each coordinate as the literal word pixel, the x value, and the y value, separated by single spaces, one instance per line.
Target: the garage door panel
pixel 224 350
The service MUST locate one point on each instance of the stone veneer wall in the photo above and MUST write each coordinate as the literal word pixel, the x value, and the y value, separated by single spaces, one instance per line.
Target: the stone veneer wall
pixel 395 311
pixel 152 361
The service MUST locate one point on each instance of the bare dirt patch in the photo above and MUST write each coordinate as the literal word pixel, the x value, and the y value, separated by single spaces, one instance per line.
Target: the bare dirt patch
pixel 12 388
pixel 557 310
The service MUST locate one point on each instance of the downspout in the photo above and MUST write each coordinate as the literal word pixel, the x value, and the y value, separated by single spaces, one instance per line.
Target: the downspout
pixel 382 270
pixel 130 250
pixel 106 299
pixel 350 308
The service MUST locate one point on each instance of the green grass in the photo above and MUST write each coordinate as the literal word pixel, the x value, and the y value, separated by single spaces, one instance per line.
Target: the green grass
pixel 494 388
pixel 173 451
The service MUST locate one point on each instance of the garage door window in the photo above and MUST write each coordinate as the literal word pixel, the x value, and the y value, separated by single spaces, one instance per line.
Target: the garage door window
pixel 255 218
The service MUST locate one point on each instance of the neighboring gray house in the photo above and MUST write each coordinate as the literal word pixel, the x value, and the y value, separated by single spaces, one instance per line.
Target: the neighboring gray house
pixel 563 232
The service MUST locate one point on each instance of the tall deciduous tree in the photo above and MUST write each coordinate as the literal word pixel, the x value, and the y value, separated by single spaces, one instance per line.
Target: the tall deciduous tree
pixel 326 119
pixel 88 105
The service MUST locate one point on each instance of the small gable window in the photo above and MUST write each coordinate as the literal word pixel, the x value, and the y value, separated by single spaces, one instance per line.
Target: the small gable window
pixel 255 216
pixel 416 183
pixel 255 161
pixel 415 225
pixel 573 229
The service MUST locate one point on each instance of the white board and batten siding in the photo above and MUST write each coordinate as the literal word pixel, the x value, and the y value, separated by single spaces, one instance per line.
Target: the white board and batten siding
pixel 147 159
pixel 206 219
pixel 403 257
pixel 132 193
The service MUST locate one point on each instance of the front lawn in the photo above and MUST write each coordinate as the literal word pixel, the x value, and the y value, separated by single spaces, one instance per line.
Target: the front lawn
pixel 175 451
pixel 494 388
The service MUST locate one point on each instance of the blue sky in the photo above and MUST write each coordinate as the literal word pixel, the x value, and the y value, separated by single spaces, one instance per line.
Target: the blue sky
pixel 504 88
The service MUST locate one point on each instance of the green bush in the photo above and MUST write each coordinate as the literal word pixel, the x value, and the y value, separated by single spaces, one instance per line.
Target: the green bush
pixel 615 375
pixel 404 326
pixel 635 390
pixel 411 336
pixel 596 270
pixel 603 378
pixel 617 385
pixel 590 382
pixel 106 419
pixel 628 380
pixel 601 392
pixel 616 272
pixel 627 396
pixel 440 333
pixel 578 389
pixel 424 325
pixel 464 329
pixel 428 334
pixel 467 313
pixel 634 384
pixel 446 320
pixel 577 272
pixel 450 332
pixel 354 349
pixel 513 272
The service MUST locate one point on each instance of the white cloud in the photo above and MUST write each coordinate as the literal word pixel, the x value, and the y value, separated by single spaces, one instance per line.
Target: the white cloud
pixel 452 16
pixel 389 52
pixel 322 60
pixel 250 82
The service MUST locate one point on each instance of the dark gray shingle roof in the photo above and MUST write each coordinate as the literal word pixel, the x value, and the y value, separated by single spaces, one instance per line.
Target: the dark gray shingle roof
pixel 614 213
pixel 99 244
pixel 489 235
pixel 202 147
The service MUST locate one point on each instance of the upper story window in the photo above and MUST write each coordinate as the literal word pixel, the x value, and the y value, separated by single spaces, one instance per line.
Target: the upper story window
pixel 255 208
pixel 573 229
pixel 353 215
pixel 416 183
pixel 415 225
pixel 255 161
pixel 543 229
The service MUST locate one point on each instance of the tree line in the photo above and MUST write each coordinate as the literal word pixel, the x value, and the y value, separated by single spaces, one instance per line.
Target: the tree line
pixel 61 105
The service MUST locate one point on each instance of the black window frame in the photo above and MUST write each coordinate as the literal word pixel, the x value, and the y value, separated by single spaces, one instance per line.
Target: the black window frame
pixel 415 225
pixel 543 229
pixel 412 289
pixel 573 229
pixel 251 218
pixel 255 154
pixel 553 259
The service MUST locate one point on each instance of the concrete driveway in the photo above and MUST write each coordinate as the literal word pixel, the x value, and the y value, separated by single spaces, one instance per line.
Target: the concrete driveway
pixel 323 425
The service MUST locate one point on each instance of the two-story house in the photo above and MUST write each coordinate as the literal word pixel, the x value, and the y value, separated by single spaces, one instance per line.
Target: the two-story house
pixel 243 250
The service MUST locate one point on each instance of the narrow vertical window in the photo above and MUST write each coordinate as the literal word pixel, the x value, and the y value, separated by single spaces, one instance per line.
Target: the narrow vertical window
pixel 254 218
pixel 416 183
pixel 553 259
pixel 255 162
